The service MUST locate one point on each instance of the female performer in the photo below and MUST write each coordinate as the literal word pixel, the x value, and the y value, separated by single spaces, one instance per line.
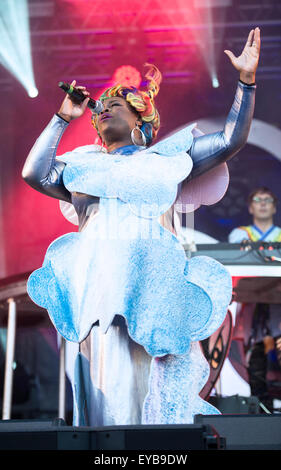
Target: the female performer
pixel 122 286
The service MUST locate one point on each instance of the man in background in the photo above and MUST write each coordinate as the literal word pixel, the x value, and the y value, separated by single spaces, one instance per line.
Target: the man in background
pixel 262 206
pixel 261 341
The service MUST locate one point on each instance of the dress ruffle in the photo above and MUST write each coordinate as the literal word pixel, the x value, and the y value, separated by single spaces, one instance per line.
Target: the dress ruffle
pixel 149 282
pixel 179 401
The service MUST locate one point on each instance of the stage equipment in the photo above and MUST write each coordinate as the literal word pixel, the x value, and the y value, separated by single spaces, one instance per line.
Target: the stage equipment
pixel 236 404
pixel 254 268
pixel 255 271
pixel 216 350
pixel 15 307
pixel 242 254
pixel 246 432
pixel 40 435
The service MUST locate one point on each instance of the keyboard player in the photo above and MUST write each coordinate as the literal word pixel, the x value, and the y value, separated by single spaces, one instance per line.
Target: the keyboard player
pixel 264 328
pixel 262 207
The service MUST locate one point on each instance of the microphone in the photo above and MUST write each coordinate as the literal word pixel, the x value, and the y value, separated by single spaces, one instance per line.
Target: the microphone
pixel 78 96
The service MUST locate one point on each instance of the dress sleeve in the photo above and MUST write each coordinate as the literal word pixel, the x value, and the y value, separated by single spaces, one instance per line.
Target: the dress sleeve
pixel 210 150
pixel 41 169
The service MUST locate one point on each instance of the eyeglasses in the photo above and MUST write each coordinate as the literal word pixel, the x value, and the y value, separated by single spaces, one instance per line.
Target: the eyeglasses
pixel 266 200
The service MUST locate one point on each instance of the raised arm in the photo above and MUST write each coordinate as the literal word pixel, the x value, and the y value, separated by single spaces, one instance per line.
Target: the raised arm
pixel 210 150
pixel 41 169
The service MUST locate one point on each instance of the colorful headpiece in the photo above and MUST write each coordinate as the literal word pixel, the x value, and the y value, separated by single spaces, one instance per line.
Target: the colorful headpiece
pixel 141 101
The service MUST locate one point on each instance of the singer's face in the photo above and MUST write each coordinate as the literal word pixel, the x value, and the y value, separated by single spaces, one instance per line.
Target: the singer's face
pixel 117 120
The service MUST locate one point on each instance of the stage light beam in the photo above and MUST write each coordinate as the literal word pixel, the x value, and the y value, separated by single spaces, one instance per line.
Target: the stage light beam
pixel 207 8
pixel 215 82
pixel 15 48
pixel 200 17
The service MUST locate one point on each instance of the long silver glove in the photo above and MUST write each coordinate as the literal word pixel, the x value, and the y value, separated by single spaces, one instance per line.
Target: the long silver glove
pixel 41 170
pixel 210 150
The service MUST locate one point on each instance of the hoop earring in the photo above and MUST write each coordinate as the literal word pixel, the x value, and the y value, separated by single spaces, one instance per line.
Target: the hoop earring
pixel 143 138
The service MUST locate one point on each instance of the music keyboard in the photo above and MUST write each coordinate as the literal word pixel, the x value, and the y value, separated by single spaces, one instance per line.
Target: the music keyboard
pixel 250 253
pixel 255 276
pixel 247 259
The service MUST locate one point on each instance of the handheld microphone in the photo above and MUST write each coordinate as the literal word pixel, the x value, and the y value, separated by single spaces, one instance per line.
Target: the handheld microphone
pixel 78 96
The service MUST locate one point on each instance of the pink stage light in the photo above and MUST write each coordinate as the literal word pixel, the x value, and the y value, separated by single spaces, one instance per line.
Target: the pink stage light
pixel 124 15
pixel 127 76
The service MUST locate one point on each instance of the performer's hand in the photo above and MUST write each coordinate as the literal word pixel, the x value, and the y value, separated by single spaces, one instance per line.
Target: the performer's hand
pixel 69 109
pixel 247 62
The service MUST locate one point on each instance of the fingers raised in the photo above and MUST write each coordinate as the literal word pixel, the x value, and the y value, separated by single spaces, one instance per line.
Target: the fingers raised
pixel 257 38
pixel 254 38
pixel 250 38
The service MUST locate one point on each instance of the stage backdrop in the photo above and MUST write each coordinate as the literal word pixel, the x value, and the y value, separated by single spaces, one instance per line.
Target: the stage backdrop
pixel 30 221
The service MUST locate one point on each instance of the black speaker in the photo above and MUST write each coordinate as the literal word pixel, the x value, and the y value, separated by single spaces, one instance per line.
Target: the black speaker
pixel 246 432
pixel 236 404
pixel 41 435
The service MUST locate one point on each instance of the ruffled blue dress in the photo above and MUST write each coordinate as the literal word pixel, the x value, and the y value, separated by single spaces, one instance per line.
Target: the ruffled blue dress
pixel 124 290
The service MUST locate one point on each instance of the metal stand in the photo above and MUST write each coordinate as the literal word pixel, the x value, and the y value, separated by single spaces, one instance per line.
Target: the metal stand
pixel 62 380
pixel 13 291
pixel 218 387
pixel 10 351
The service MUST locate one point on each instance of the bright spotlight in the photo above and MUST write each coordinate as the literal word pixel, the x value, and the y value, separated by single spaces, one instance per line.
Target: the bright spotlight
pixel 32 92
pixel 215 82
pixel 15 49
